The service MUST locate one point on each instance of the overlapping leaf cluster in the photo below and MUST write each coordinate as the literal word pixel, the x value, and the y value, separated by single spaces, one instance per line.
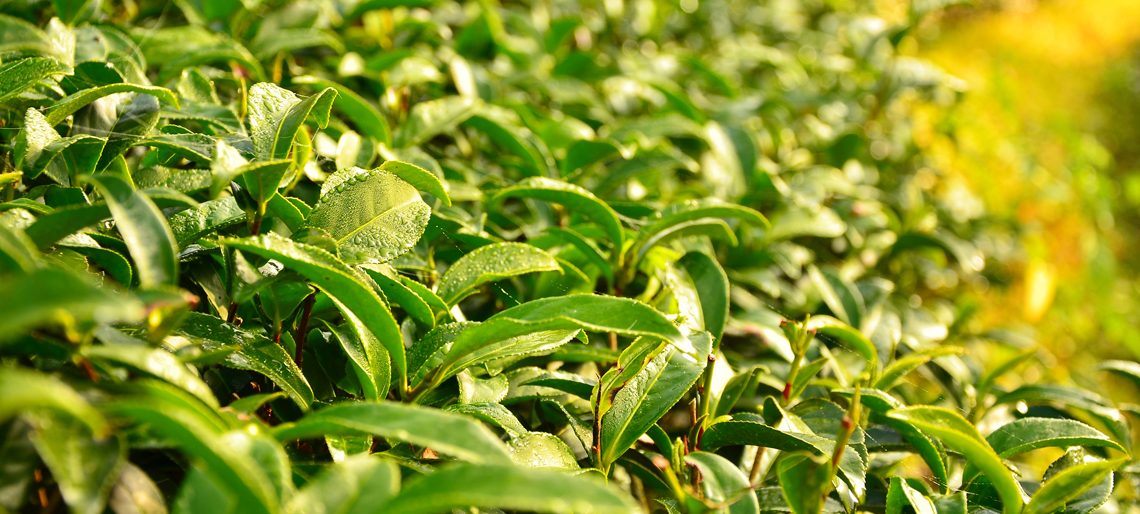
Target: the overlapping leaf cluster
pixel 402 256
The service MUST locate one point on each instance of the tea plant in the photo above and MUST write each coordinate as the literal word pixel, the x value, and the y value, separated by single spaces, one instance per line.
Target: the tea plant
pixel 409 257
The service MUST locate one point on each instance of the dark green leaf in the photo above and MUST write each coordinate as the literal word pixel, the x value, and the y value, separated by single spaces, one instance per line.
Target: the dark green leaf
pixel 337 280
pixel 144 230
pixel 208 218
pixel 573 197
pixel 249 351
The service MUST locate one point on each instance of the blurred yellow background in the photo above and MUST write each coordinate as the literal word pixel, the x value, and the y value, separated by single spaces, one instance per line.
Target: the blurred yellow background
pixel 1045 135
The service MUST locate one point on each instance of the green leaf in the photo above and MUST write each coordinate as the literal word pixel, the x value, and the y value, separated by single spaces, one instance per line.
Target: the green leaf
pixel 289 211
pixel 575 198
pixel 1127 369
pixel 586 312
pixel 574 384
pixel 73 12
pixel 17 76
pixel 930 451
pixel 374 216
pixel 422 179
pixel 511 349
pixel 276 114
pixel 61 298
pixel 358 484
pixel 427 353
pixel 798 222
pixel 368 358
pixel 18 253
pixel 848 335
pixel 192 224
pixel 497 123
pixel 446 433
pixel 694 210
pixel 191 146
pixel 900 495
pixel 22 390
pixel 136 492
pixel 787 438
pixel 111 261
pixel 144 229
pixel 430 118
pixel 541 450
pixel 397 292
pixel 250 404
pixel 712 289
pixel 367 118
pixel 508 487
pixel 492 413
pixel 270 42
pixel 337 280
pixel 85 467
pixel 722 482
pixel 217 453
pixel 200 493
pixel 246 350
pixel 492 263
pixel 221 51
pixel 1092 404
pixel 901 367
pixel 1070 484
pixel 803 479
pixel 586 247
pixel 960 435
pixel 17 35
pixel 841 297
pixel 67 106
pixel 1027 434
pixel 651 393
pixel 154 362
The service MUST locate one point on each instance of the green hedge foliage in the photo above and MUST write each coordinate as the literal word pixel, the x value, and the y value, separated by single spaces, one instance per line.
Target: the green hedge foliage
pixel 405 256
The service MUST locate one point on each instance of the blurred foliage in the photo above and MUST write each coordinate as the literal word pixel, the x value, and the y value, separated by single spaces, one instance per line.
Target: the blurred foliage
pixel 1047 138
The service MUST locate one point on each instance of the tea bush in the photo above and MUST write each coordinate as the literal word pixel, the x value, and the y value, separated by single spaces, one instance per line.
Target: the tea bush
pixel 400 255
